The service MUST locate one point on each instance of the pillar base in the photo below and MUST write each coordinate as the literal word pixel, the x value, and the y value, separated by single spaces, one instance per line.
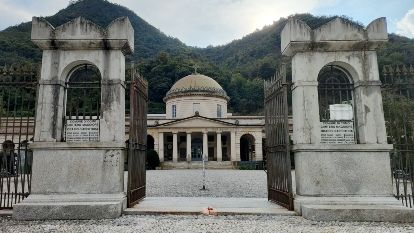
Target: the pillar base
pixel 75 181
pixel 70 206
pixel 346 183
pixel 348 209
pixel 343 170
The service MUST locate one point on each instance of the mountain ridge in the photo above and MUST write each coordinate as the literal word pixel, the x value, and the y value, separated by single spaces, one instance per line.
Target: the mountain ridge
pixel 239 66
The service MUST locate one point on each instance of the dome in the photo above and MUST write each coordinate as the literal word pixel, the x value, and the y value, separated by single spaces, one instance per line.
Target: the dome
pixel 196 84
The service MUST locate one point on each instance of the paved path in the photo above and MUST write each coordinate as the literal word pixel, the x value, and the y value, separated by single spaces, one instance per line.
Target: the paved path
pixel 206 205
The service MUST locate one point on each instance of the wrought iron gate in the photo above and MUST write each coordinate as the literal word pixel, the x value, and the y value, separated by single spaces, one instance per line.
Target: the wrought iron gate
pixel 18 87
pixel 137 144
pixel 398 99
pixel 279 180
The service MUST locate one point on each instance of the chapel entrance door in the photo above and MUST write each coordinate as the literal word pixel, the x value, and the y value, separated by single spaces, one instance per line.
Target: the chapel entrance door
pixel 279 181
pixel 137 146
pixel 197 150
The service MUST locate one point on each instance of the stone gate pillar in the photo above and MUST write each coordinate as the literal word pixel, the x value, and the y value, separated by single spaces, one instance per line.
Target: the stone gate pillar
pixel 82 179
pixel 338 177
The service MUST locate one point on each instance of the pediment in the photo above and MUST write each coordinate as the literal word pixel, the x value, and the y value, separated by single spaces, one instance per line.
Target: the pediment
pixel 197 122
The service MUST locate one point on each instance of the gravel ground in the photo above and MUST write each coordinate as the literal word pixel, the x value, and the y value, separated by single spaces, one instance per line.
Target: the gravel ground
pixel 168 223
pixel 219 183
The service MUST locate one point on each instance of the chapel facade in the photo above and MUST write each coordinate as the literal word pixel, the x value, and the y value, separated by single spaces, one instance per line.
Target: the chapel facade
pixel 197 125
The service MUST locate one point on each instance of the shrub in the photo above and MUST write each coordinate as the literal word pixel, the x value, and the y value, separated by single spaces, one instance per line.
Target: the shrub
pixel 153 160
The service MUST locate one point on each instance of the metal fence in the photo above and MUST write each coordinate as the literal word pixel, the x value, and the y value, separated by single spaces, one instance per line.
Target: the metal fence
pixel 398 99
pixel 18 85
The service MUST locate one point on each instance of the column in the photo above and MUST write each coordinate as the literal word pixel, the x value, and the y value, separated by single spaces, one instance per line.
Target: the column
pixel 258 146
pixel 175 154
pixel 219 147
pixel 205 146
pixel 161 146
pixel 233 146
pixel 189 147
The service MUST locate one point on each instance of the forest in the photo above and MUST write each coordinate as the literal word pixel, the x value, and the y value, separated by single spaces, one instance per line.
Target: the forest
pixel 239 66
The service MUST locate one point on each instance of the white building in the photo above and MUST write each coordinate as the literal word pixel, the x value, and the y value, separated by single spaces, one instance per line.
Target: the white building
pixel 197 123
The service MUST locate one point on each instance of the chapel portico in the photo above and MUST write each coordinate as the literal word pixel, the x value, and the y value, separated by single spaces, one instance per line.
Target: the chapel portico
pixel 186 140
pixel 197 124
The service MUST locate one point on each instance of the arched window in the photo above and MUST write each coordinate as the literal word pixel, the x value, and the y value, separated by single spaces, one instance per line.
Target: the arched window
pixel 336 105
pixel 83 103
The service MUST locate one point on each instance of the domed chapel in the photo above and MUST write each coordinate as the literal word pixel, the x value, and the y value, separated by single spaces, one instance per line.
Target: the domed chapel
pixel 197 123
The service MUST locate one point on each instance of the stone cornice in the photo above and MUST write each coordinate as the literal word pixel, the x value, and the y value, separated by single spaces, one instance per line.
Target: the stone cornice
pixel 336 35
pixel 81 33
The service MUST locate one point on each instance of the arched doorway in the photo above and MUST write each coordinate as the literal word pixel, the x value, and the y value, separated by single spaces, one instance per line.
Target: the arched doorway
pixel 334 87
pixel 197 149
pixel 336 105
pixel 150 142
pixel 247 149
pixel 83 104
pixel 83 92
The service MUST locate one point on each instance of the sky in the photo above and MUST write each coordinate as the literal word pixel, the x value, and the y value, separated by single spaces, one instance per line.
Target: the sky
pixel 202 23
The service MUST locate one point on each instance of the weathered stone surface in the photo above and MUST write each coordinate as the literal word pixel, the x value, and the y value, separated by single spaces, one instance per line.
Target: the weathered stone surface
pixel 81 33
pixel 336 35
pixel 362 67
pixel 77 168
pixel 358 213
pixel 333 181
pixel 79 180
pixel 344 170
pixel 72 206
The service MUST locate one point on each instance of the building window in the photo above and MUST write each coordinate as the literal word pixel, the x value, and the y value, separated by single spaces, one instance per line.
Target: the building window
pixel 219 115
pixel 196 107
pixel 174 111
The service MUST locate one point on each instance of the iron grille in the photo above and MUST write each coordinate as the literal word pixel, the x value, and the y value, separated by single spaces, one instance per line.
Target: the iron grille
pixel 18 87
pixel 398 99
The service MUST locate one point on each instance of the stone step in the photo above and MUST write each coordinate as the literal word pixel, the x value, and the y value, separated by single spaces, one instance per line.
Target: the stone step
pixel 206 205
pixel 358 213
pixel 198 165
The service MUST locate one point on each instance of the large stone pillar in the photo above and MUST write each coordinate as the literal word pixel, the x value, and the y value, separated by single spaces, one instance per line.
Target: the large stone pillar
pixel 161 146
pixel 175 147
pixel 219 148
pixel 337 181
pixel 82 179
pixel 233 146
pixel 188 150
pixel 205 146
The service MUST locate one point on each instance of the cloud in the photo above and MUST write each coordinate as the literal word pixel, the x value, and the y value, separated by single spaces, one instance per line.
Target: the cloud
pixel 405 26
pixel 11 15
pixel 195 22
pixel 13 12
pixel 215 22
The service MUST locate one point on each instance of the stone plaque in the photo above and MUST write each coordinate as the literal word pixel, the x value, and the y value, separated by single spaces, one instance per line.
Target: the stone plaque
pixel 82 130
pixel 337 132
